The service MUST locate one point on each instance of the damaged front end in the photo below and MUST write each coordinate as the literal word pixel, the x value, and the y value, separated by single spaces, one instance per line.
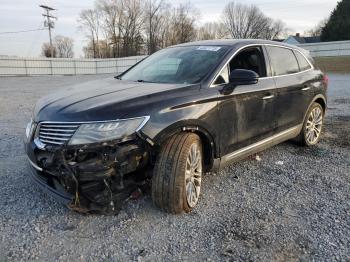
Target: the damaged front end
pixel 92 177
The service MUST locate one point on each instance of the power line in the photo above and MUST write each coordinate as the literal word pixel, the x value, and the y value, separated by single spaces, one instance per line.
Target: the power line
pixel 35 39
pixel 22 31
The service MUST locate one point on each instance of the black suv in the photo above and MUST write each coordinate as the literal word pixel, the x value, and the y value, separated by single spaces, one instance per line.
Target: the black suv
pixel 181 112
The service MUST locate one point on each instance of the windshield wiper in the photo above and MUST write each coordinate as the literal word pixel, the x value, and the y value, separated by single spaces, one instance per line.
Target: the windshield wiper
pixel 143 81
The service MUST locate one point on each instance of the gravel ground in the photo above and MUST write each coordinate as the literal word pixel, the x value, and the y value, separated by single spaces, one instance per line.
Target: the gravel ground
pixel 293 204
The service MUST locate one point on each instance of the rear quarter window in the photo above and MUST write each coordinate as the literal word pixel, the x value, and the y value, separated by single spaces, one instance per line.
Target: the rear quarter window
pixel 283 61
pixel 303 63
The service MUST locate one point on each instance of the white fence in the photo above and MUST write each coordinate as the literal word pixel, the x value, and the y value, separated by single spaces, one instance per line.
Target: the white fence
pixel 339 48
pixel 62 66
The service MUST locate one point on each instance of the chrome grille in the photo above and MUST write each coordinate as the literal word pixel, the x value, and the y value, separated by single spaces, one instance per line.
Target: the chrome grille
pixel 56 133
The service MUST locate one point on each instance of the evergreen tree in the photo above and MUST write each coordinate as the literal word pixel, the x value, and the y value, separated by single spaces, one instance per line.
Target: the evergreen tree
pixel 338 26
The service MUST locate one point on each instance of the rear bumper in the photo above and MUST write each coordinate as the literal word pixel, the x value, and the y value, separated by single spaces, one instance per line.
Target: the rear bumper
pixel 50 186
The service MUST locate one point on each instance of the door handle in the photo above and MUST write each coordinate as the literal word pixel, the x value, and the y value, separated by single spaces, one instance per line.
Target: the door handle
pixel 268 97
pixel 305 88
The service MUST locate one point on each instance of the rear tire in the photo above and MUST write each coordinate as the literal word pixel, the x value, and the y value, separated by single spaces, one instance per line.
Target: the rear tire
pixel 312 127
pixel 177 174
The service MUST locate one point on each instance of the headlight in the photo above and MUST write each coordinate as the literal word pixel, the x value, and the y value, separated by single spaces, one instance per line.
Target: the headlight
pixel 104 131
pixel 30 129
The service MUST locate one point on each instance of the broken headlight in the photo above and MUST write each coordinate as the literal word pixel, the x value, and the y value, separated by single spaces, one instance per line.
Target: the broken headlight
pixel 96 132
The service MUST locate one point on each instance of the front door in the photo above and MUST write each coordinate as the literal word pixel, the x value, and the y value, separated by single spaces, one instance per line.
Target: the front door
pixel 247 113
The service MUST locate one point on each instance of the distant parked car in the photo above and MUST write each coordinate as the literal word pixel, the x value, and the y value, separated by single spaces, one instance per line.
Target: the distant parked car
pixel 181 112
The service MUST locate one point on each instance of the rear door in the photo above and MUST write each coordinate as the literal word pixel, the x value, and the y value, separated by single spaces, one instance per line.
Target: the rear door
pixel 291 99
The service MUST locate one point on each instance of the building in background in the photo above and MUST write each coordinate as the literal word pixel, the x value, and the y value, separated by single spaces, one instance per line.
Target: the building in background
pixel 297 39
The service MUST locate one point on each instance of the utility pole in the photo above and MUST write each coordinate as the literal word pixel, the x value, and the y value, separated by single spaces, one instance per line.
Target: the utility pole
pixel 49 23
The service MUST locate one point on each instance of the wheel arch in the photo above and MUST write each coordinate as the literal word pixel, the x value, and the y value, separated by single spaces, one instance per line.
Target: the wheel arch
pixel 321 99
pixel 210 149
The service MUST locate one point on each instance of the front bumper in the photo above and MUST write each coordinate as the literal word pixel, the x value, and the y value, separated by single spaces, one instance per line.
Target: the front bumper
pixel 93 178
pixel 50 186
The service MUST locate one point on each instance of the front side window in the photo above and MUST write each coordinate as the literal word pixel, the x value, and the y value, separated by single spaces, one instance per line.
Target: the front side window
pixel 187 64
pixel 251 58
pixel 283 60
pixel 303 63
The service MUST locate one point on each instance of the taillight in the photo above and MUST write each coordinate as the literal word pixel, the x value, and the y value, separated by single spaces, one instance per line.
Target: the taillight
pixel 325 79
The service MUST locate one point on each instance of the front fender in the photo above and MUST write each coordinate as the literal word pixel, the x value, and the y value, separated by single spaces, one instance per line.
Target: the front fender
pixel 195 126
pixel 209 142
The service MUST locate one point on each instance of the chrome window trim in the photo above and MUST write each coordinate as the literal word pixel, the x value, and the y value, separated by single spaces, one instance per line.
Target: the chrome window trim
pixel 267 77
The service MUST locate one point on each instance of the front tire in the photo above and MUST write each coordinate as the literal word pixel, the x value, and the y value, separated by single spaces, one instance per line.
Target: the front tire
pixel 177 175
pixel 312 126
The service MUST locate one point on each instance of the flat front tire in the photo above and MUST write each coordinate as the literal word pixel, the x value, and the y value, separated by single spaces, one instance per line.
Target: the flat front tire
pixel 177 175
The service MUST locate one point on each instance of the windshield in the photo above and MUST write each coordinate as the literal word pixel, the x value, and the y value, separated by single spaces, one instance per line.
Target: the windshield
pixel 188 64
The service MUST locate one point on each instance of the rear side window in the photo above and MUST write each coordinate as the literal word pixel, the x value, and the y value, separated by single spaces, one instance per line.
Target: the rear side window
pixel 283 61
pixel 303 63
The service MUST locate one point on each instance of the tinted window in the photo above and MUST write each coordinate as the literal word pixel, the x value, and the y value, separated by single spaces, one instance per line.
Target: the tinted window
pixel 187 64
pixel 283 61
pixel 250 59
pixel 303 63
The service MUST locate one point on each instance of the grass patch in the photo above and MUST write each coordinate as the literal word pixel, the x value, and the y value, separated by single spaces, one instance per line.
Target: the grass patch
pixel 334 64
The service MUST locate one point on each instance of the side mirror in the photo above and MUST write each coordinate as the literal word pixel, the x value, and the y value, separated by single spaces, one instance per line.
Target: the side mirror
pixel 243 77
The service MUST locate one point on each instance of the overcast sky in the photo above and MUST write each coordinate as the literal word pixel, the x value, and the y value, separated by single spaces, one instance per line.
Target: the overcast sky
pixel 15 15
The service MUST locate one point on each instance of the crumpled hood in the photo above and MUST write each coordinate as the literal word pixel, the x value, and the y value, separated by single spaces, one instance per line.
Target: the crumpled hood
pixel 95 100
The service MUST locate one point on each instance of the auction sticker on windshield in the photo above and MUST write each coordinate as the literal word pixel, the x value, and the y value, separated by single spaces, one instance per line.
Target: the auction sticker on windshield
pixel 209 48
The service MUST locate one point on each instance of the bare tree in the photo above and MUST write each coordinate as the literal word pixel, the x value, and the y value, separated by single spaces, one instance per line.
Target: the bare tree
pixel 64 46
pixel 103 47
pixel 165 26
pixel 123 23
pixel 46 50
pixel 247 21
pixel 183 24
pixel 132 27
pixel 212 30
pixel 90 22
pixel 153 22
pixel 276 29
pixel 317 30
pixel 112 13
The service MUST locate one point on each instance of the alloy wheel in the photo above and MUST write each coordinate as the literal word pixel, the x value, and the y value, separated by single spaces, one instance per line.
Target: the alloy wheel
pixel 193 175
pixel 314 125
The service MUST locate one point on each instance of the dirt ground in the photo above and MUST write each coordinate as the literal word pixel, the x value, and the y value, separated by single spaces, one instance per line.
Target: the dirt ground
pixel 292 205
pixel 334 64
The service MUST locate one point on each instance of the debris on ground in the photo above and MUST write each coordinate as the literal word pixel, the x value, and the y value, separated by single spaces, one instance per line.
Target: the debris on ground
pixel 279 163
